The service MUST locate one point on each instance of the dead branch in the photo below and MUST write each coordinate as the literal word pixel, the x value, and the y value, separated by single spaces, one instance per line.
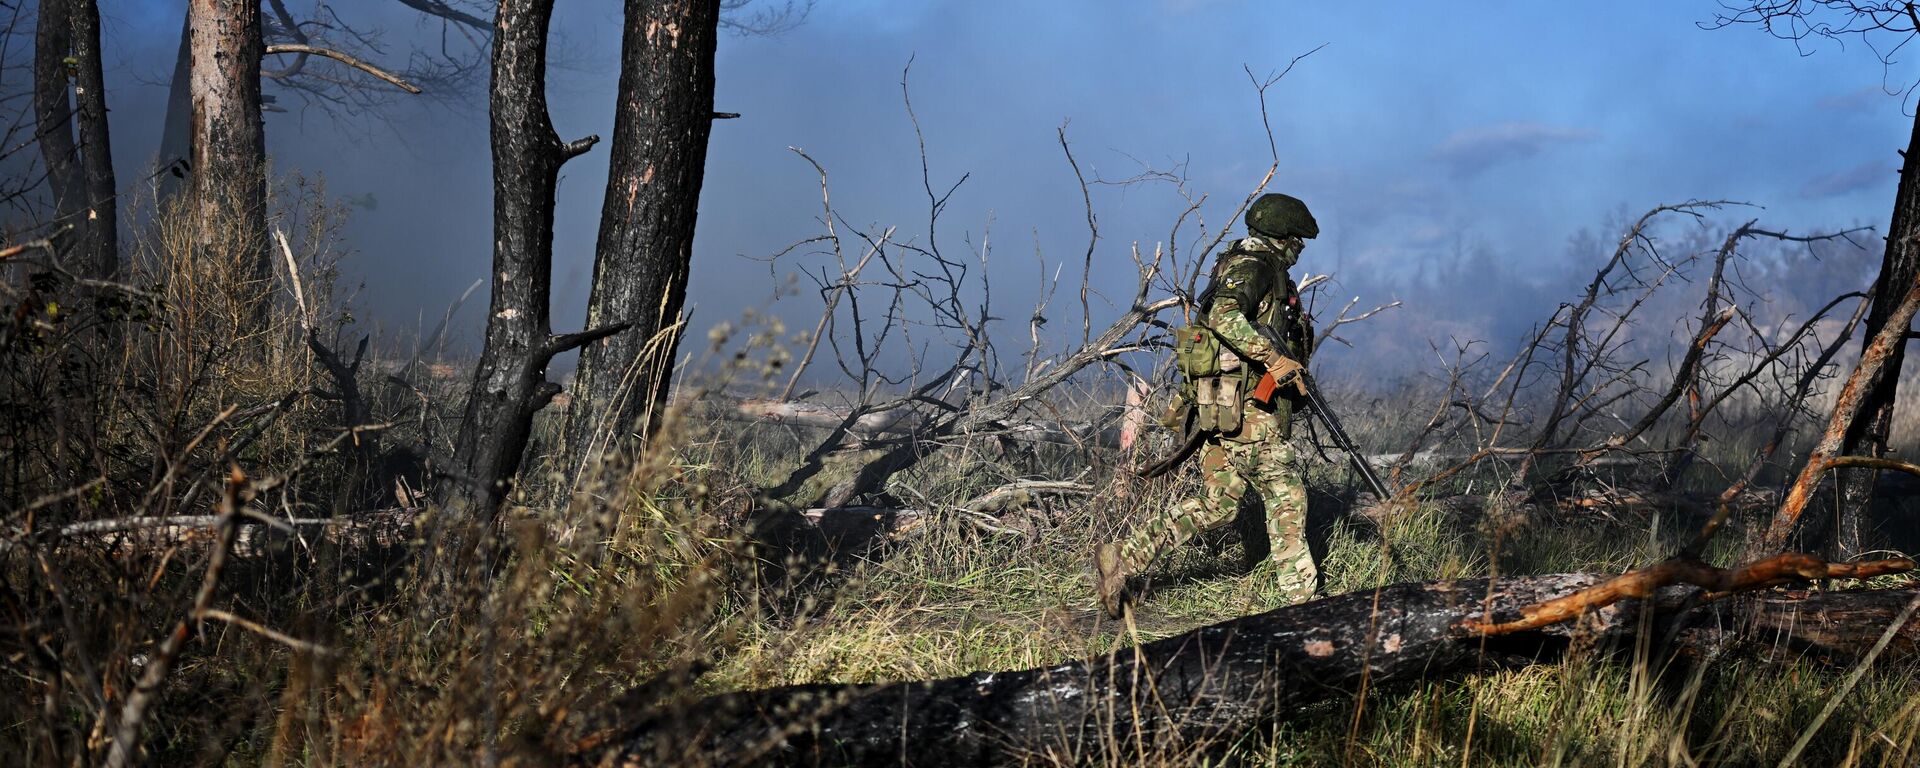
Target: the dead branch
pixel 126 738
pixel 1773 571
pixel 1023 492
pixel 344 58
pixel 1581 348
pixel 265 631
pixel 1844 409
pixel 905 421
pixel 1342 319
pixel 1874 462
pixel 1802 390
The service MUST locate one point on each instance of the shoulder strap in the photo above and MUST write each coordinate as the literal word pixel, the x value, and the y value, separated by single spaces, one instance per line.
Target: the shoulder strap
pixel 1205 300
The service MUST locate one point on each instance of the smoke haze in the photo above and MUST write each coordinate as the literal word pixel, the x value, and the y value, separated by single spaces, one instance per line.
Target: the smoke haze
pixel 1440 150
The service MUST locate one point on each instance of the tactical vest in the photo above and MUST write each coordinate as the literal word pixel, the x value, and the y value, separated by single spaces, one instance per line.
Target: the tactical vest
pixel 1216 382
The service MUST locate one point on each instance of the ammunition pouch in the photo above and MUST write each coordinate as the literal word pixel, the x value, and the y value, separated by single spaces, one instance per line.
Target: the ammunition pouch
pixel 1196 352
pixel 1219 403
pixel 1215 380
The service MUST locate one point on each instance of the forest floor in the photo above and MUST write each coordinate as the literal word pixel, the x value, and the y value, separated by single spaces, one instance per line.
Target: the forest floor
pixel 333 662
pixel 944 596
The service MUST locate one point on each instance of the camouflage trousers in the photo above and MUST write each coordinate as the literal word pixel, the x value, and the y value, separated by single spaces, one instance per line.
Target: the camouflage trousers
pixel 1233 468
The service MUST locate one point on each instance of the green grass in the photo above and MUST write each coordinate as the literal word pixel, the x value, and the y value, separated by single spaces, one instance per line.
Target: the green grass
pixel 948 599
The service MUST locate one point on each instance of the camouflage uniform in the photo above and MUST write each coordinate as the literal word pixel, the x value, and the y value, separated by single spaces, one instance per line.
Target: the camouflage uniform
pixel 1250 284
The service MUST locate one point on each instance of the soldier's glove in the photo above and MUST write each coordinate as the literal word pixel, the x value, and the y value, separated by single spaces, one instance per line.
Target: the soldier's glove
pixel 1285 372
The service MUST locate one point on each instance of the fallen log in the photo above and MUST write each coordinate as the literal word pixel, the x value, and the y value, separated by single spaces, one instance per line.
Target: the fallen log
pixel 256 534
pixel 904 421
pixel 1223 680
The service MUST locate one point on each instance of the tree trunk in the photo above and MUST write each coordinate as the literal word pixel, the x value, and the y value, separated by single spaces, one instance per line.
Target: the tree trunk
pixel 659 150
pixel 1869 430
pixel 100 195
pixel 1828 453
pixel 53 114
pixel 1215 683
pixel 172 165
pixel 510 384
pixel 229 151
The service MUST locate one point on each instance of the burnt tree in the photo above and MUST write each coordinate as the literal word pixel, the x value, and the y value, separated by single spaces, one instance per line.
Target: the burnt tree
pixel 1885 26
pixel 79 172
pixel 1829 453
pixel 327 35
pixel 510 384
pixel 1869 430
pixel 664 116
pixel 52 112
pixel 99 197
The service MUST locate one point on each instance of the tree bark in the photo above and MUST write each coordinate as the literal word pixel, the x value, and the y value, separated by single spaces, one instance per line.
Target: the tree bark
pixel 510 384
pixel 229 151
pixel 1218 682
pixel 100 194
pixel 1868 432
pixel 53 113
pixel 664 117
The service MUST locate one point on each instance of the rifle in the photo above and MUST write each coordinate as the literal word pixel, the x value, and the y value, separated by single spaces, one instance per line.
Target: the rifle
pixel 1195 436
pixel 1264 392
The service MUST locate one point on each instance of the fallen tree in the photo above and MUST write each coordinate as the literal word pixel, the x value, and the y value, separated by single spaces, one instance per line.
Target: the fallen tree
pixel 1223 680
pixel 901 422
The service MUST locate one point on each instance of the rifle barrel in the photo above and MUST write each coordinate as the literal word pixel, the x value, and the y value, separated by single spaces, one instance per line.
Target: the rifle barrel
pixel 1332 423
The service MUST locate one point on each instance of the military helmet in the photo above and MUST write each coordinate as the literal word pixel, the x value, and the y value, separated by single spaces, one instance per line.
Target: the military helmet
pixel 1277 215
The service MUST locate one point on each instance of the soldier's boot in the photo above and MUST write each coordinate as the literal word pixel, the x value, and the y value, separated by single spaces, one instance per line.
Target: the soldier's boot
pixel 1110 579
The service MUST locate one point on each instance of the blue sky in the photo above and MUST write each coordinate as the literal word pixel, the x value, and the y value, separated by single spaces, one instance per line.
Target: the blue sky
pixel 1420 130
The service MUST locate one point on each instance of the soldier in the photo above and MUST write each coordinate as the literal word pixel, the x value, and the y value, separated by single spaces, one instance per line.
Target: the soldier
pixel 1253 309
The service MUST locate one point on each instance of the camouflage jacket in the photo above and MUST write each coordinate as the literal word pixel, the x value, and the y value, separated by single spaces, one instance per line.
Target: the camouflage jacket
pixel 1251 288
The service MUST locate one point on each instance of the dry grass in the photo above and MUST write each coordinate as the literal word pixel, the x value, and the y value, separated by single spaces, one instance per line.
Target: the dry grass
pixel 637 574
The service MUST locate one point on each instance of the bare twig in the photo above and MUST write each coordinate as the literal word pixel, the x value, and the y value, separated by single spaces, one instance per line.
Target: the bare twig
pixel 265 631
pixel 344 58
pixel 126 739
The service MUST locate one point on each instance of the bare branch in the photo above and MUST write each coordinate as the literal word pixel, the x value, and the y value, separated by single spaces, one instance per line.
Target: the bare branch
pixel 351 61
pixel 1779 569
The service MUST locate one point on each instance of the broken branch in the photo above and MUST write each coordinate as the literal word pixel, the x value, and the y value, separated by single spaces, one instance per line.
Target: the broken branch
pixel 344 58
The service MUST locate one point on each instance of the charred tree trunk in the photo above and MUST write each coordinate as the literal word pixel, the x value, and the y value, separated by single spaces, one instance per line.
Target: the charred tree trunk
pixel 229 150
pixel 1868 433
pixel 510 384
pixel 53 114
pixel 80 174
pixel 100 218
pixel 646 221
pixel 1217 682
